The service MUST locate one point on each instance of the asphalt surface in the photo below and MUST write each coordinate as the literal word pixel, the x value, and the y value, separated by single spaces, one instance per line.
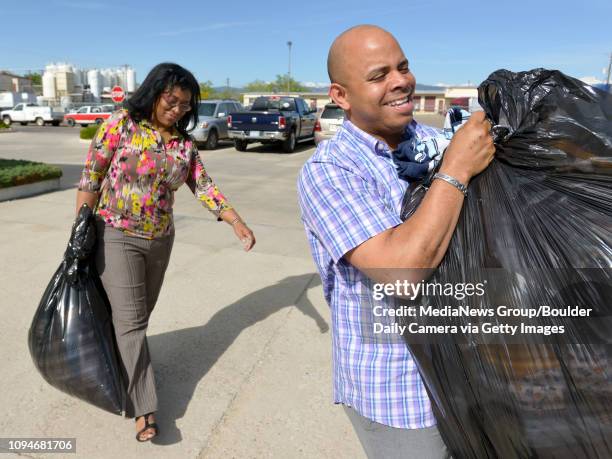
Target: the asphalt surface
pixel 240 342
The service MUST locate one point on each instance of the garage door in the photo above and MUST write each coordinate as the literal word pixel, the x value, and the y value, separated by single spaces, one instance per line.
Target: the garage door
pixel 430 104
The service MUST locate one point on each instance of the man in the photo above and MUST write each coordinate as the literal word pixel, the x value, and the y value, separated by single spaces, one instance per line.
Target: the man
pixel 350 195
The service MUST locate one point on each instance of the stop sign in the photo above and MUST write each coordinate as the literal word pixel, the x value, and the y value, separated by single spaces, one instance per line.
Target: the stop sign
pixel 117 94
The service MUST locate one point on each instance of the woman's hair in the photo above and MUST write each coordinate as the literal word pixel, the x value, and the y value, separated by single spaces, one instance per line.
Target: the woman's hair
pixel 164 77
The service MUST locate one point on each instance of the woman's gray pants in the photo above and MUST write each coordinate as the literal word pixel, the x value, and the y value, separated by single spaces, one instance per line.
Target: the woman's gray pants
pixel 132 270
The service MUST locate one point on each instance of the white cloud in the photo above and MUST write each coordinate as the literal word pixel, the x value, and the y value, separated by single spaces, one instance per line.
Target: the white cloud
pixel 591 80
pixel 313 84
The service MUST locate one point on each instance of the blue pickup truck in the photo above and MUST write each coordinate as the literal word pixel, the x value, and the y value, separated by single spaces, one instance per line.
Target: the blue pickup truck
pixel 273 119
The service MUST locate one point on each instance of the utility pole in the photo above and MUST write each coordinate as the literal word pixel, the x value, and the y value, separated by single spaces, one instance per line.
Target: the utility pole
pixel 609 68
pixel 289 44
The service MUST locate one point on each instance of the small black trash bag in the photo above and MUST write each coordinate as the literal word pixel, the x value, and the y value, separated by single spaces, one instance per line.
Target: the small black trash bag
pixel 71 337
pixel 536 227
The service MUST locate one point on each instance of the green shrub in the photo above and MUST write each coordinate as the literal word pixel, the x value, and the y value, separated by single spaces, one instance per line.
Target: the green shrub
pixel 15 172
pixel 89 132
pixel 3 126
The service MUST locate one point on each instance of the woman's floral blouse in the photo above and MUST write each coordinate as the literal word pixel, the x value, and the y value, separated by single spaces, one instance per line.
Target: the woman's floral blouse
pixel 137 175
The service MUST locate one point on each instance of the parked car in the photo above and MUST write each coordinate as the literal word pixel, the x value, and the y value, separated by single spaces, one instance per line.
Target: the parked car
pixel 273 119
pixel 31 113
pixel 89 114
pixel 213 121
pixel 328 122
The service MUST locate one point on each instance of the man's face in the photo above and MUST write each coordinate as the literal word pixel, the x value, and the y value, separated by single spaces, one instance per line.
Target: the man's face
pixel 379 86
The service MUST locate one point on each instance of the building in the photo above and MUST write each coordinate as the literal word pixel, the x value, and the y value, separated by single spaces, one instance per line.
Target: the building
pixel 14 83
pixel 427 99
pixel 66 85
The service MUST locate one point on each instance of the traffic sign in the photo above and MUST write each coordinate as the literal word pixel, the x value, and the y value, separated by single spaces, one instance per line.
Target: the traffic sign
pixel 117 94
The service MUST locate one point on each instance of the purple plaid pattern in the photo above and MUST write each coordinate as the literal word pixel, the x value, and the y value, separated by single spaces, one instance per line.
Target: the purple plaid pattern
pixel 349 191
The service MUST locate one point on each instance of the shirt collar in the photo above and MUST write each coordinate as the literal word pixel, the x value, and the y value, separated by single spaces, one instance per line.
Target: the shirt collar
pixel 147 123
pixel 375 145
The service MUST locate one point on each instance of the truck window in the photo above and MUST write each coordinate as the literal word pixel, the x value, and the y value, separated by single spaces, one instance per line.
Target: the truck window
pixel 332 112
pixel 206 109
pixel 82 110
pixel 223 108
pixel 273 103
pixel 302 106
pixel 18 108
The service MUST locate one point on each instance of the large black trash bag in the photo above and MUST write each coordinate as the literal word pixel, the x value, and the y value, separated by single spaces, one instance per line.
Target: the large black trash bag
pixel 71 337
pixel 537 226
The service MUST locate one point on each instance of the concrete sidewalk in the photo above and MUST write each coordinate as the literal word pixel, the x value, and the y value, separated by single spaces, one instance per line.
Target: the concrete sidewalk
pixel 240 341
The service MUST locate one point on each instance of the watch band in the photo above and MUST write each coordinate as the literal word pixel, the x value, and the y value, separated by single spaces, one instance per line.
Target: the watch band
pixel 453 181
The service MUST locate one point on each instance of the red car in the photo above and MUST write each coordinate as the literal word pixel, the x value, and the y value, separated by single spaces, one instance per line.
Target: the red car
pixel 88 115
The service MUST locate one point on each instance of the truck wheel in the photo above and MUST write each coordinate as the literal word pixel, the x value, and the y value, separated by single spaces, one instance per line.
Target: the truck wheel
pixel 99 121
pixel 7 120
pixel 240 145
pixel 70 122
pixel 289 143
pixel 212 140
pixel 39 121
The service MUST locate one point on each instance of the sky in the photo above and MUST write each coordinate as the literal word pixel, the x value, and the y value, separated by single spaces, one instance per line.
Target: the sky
pixel 451 42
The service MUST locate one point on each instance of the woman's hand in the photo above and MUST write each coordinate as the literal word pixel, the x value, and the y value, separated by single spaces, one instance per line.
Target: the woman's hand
pixel 245 235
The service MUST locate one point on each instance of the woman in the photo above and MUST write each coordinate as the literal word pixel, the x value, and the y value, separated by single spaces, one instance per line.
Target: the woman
pixel 137 160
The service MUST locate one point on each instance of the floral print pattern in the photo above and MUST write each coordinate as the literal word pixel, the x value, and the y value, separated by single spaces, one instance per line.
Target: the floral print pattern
pixel 136 174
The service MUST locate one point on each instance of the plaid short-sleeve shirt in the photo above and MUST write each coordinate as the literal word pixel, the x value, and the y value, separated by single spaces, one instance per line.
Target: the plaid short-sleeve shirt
pixel 349 191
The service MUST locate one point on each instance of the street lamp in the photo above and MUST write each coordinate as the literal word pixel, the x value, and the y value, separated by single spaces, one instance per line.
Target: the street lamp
pixel 289 44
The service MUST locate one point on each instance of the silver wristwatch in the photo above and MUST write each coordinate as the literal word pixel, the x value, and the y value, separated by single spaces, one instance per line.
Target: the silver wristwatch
pixel 453 181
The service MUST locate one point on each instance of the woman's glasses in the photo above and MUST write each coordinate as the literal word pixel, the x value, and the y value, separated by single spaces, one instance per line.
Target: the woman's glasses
pixel 172 104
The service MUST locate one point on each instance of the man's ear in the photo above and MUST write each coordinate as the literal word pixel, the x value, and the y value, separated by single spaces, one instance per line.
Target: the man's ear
pixel 338 94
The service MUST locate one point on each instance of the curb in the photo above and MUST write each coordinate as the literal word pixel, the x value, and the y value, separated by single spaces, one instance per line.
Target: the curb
pixel 7 130
pixel 31 189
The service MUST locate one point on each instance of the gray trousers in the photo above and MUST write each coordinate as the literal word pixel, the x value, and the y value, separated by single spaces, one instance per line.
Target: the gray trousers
pixel 132 270
pixel 383 442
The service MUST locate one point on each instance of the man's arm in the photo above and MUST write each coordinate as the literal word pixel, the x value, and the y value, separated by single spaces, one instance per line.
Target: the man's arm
pixel 422 240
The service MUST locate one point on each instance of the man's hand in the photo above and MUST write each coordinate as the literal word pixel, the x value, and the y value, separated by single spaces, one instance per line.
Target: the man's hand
pixel 470 151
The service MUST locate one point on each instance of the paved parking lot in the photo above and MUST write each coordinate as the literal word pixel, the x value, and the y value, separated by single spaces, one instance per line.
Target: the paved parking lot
pixel 240 341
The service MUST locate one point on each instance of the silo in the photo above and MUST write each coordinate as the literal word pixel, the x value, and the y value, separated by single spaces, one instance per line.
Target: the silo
pixel 108 79
pixel 121 75
pixel 48 84
pixel 64 80
pixel 78 76
pixel 131 80
pixel 95 85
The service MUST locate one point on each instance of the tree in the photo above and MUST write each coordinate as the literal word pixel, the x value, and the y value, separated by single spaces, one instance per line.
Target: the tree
pixel 206 89
pixel 35 78
pixel 258 86
pixel 282 84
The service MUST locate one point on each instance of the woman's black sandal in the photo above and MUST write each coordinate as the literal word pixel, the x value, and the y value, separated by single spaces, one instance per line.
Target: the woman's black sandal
pixel 147 426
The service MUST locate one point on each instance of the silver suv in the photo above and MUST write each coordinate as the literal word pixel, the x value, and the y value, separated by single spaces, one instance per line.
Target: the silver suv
pixel 212 121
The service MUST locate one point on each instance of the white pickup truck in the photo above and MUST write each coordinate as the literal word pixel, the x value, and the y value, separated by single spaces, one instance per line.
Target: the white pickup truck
pixel 31 113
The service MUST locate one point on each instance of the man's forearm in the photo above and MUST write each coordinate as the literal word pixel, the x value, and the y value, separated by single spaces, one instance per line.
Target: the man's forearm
pixel 422 240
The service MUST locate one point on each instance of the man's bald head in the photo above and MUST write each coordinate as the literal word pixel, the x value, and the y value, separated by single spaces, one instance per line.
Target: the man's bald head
pixel 346 47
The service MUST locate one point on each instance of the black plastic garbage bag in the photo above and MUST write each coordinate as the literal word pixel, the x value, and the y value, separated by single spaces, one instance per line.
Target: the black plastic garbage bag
pixel 71 338
pixel 535 230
